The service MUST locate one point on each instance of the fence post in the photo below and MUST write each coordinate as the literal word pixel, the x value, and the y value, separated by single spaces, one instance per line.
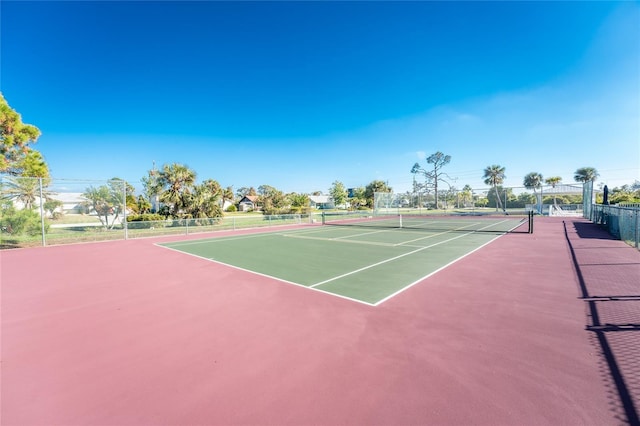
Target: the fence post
pixel 636 212
pixel 124 209
pixel 44 239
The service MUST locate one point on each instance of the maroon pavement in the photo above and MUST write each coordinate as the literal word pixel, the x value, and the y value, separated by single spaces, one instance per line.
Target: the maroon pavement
pixel 128 333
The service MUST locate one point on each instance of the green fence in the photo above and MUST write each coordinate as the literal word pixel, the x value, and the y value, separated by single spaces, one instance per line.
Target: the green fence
pixel 622 222
pixel 88 231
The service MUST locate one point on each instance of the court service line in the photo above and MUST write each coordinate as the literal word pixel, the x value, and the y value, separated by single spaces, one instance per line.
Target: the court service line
pixel 435 235
pixel 379 302
pixel 361 234
pixel 267 232
pixel 435 272
pixel 369 243
pixel 282 280
pixel 397 257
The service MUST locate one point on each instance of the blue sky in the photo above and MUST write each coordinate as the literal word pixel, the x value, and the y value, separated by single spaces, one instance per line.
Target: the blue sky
pixel 297 95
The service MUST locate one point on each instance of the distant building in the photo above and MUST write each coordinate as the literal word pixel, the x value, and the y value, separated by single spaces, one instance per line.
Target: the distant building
pixel 248 203
pixel 72 202
pixel 321 202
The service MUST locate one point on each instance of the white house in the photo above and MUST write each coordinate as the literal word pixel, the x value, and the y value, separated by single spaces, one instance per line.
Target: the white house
pixel 72 202
pixel 248 203
pixel 321 202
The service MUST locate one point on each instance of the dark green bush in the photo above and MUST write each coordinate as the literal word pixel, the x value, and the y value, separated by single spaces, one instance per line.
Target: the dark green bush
pixel 17 222
pixel 146 221
pixel 144 217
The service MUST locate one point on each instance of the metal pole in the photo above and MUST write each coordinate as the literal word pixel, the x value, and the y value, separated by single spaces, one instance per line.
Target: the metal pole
pixel 636 212
pixel 505 200
pixel 44 240
pixel 124 209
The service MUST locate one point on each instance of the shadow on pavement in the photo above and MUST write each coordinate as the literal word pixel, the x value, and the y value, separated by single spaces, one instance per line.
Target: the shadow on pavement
pixel 610 286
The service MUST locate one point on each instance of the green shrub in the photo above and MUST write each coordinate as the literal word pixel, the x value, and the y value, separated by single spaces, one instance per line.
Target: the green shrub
pixel 146 217
pixel 146 221
pixel 17 222
pixel 232 208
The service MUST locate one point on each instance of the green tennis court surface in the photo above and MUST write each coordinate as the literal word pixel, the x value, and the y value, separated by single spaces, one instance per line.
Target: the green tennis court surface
pixel 364 260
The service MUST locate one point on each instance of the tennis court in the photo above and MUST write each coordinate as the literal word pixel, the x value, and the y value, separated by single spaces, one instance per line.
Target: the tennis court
pixel 364 259
pixel 131 333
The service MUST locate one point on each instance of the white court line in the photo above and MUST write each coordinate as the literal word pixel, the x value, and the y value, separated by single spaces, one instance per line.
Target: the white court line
pixel 435 235
pixel 447 265
pixel 313 287
pixel 337 240
pixel 235 237
pixel 434 272
pixel 362 233
pixel 400 256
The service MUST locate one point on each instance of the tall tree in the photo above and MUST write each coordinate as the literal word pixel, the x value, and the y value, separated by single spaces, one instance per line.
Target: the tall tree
pixel 26 188
pixel 227 195
pixel 534 181
pixel 586 174
pixel 372 188
pixel 299 202
pixel 271 199
pixel 15 139
pixel 553 181
pixel 107 200
pixel 357 198
pixel 467 195
pixel 494 176
pixel 152 188
pixel 204 200
pixel 175 183
pixel 338 192
pixel 144 206
pixel 22 189
pixel 434 175
pixel 244 191
pixel 33 165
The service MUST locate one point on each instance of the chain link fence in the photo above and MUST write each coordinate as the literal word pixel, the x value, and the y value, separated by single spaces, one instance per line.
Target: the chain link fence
pixel 38 212
pixel 622 221
pixel 545 200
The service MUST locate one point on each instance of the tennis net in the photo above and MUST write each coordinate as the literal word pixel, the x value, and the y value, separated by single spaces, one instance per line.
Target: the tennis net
pixel 434 222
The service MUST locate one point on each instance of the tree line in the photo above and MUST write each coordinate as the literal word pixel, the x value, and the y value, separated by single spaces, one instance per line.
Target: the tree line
pixel 494 176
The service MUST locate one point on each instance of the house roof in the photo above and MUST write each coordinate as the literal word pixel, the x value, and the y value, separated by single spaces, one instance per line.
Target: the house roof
pixel 69 197
pixel 252 198
pixel 320 199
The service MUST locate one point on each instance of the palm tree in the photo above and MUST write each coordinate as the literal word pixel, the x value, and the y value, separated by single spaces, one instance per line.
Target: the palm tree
pixel 299 202
pixel 553 181
pixel 494 176
pixel 24 190
pixel 227 195
pixel 586 174
pixel 203 201
pixel 534 181
pixel 467 195
pixel 176 181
